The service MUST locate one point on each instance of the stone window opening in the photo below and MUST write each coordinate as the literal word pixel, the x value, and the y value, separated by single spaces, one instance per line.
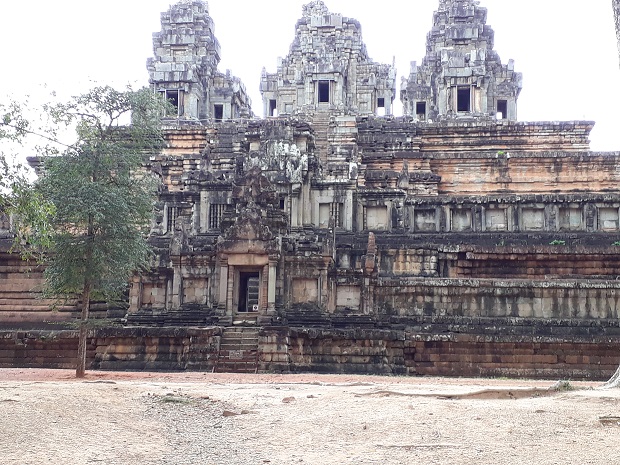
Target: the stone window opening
pixel 502 109
pixel 216 212
pixel 273 107
pixel 173 97
pixel 463 99
pixel 172 217
pixel 323 91
pixel 381 106
pixel 420 111
pixel 218 112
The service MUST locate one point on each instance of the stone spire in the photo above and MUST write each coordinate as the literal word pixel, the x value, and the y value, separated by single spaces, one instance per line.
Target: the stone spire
pixel 328 70
pixel 461 75
pixel 184 67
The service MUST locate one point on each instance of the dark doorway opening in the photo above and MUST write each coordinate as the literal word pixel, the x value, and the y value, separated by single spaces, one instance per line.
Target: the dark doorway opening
pixel 420 110
pixel 502 109
pixel 381 106
pixel 463 99
pixel 273 108
pixel 323 91
pixel 249 289
pixel 218 112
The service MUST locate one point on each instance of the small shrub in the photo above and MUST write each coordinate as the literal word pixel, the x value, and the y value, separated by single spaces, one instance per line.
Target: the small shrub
pixel 557 242
pixel 562 386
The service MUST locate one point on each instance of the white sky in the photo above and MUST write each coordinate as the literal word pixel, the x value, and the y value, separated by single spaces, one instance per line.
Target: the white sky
pixel 565 49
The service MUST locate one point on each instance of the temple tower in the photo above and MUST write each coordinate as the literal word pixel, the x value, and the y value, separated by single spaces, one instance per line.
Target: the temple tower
pixel 184 68
pixel 461 75
pixel 328 70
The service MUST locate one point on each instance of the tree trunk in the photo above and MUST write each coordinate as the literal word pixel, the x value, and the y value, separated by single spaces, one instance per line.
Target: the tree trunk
pixel 80 371
pixel 614 381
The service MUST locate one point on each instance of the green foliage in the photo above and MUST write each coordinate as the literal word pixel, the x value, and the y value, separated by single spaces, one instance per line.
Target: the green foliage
pixel 616 243
pixel 13 125
pixel 102 199
pixel 28 210
pixel 557 242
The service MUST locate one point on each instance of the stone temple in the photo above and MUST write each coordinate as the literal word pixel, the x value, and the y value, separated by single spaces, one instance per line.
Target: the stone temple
pixel 332 236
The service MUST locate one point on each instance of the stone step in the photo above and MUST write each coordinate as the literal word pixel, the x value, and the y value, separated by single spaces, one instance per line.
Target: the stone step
pixel 20 307
pixel 28 301
pixel 238 352
pixel 237 367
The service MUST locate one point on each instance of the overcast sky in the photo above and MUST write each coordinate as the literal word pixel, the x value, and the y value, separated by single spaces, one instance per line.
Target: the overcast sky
pixel 565 49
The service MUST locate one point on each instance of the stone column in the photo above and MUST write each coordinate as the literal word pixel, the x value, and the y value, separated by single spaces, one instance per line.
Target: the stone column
pixel 269 315
pixel 223 287
pixel 177 287
pixel 271 289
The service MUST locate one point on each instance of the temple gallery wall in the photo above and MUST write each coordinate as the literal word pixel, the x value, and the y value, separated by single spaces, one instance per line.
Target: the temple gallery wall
pixel 331 236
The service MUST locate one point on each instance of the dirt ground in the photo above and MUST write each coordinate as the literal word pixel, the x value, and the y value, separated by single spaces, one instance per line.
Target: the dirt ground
pixel 46 416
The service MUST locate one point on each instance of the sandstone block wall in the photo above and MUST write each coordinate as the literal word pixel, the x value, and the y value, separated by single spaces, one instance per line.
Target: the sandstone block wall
pixel 572 352
pixel 558 299
pixel 40 349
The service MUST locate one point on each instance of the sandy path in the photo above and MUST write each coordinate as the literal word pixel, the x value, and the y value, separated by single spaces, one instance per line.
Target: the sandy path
pixel 147 418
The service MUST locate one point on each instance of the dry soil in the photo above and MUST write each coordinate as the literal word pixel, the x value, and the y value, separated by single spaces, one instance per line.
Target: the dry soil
pixel 46 416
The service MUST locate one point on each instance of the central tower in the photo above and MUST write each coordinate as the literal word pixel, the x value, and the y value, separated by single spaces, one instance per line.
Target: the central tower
pixel 328 69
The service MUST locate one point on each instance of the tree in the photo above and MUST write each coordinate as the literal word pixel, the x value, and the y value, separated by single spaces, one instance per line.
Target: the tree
pixel 28 210
pixel 102 198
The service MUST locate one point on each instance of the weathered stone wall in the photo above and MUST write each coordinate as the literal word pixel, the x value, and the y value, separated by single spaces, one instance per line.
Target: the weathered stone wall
pixel 439 347
pixel 547 358
pixel 40 349
pixel 21 293
pixel 156 349
pixel 557 299
pixel 139 349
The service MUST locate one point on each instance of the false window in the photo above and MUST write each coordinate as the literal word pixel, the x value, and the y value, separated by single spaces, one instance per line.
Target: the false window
pixel 329 211
pixel 463 99
pixel 323 91
pixel 216 212
pixel 502 109
pixel 171 221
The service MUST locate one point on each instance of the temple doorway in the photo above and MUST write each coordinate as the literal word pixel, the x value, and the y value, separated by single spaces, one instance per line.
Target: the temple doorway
pixel 249 291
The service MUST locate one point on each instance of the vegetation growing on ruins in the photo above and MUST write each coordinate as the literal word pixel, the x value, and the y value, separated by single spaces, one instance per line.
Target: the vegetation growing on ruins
pixel 90 211
pixel 102 200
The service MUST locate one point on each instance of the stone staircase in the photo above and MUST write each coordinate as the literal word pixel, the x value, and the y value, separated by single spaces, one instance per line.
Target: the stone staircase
pixel 238 350
pixel 320 124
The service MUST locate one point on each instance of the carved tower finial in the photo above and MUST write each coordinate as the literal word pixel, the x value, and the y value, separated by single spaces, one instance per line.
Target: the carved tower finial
pixel 315 8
